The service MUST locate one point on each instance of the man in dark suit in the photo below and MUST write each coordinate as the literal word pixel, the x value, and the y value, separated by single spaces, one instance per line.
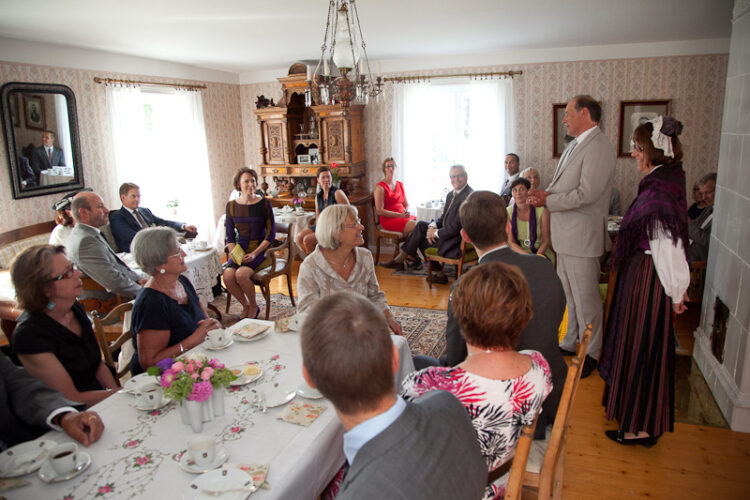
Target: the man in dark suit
pixel 47 155
pixel 88 249
pixel 131 218
pixel 27 175
pixel 512 169
pixel 29 408
pixel 424 449
pixel 485 221
pixel 443 233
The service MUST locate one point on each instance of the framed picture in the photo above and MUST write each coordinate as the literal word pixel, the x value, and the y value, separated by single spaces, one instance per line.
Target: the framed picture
pixel 14 112
pixel 560 138
pixel 314 156
pixel 303 159
pixel 33 106
pixel 632 114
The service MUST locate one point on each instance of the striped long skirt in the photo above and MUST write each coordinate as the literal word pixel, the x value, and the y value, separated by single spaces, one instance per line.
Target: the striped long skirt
pixel 637 362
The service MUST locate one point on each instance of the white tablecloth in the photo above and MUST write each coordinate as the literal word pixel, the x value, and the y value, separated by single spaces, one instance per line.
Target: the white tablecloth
pixel 7 290
pixel 137 454
pixel 48 179
pixel 428 211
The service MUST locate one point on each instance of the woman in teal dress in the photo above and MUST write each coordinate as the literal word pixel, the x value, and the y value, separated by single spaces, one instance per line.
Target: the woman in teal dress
pixel 529 226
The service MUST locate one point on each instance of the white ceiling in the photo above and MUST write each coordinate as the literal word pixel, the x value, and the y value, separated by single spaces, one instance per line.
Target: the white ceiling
pixel 242 36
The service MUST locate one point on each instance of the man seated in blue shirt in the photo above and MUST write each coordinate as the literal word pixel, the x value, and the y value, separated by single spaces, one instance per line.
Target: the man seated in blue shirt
pixel 425 449
pixel 131 218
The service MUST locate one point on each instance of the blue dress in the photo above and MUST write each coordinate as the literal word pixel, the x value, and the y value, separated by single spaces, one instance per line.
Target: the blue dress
pixel 153 310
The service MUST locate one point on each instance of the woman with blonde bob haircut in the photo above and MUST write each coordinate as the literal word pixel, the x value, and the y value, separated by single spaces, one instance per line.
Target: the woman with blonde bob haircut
pixel 339 262
pixel 501 389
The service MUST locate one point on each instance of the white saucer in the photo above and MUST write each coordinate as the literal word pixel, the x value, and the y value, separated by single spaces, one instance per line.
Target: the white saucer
pixel 308 392
pixel 240 338
pixel 30 455
pixel 164 402
pixel 244 379
pixel 277 394
pixel 226 344
pixel 132 384
pixel 50 475
pixel 187 464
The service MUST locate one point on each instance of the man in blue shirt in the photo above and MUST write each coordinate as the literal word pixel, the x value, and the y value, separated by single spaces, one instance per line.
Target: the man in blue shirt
pixel 425 449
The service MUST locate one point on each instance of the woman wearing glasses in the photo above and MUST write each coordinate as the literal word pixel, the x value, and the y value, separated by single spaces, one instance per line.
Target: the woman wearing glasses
pixel 340 263
pixel 54 339
pixel 168 318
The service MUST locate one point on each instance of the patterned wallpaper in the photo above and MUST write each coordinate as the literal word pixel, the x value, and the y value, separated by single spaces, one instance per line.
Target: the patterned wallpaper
pixel 223 137
pixel 694 83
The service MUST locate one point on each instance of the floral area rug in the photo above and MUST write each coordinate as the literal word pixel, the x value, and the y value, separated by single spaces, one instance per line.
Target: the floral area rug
pixel 423 328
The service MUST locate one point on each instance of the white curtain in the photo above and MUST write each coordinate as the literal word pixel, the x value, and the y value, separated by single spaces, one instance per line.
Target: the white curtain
pixel 160 144
pixel 442 123
pixel 63 128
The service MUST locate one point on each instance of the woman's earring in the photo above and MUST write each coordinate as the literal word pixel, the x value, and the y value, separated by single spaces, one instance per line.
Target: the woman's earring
pixel 50 305
pixel 162 271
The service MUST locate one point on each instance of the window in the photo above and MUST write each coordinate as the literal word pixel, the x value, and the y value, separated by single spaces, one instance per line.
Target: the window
pixel 436 125
pixel 160 144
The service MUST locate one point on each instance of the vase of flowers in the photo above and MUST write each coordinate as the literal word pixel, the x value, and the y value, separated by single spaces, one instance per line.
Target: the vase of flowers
pixel 192 380
pixel 335 176
pixel 299 204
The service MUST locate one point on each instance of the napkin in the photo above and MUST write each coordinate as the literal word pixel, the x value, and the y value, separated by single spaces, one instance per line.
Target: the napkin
pixel 257 471
pixel 281 325
pixel 302 414
pixel 251 330
pixel 11 484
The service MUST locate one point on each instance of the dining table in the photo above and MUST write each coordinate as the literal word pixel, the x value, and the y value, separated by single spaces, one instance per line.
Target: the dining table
pixel 139 452
pixel 50 177
pixel 430 210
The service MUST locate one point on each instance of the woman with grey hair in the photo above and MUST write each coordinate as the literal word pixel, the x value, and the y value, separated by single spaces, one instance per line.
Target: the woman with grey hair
pixel 340 263
pixel 168 319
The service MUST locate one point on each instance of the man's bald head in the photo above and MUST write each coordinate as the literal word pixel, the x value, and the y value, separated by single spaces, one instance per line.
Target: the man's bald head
pixel 88 208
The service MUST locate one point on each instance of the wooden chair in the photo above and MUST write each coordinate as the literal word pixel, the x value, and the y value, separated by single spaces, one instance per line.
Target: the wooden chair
pixel 548 482
pixel 95 304
pixel 279 266
pixel 515 482
pixel 383 234
pixel 467 255
pixel 109 348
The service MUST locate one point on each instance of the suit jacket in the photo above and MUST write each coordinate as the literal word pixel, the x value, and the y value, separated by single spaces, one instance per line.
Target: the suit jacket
pixel 579 198
pixel 449 224
pixel 700 236
pixel 40 160
pixel 429 452
pixel 548 298
pixel 27 173
pixel 505 193
pixel 25 404
pixel 96 259
pixel 124 226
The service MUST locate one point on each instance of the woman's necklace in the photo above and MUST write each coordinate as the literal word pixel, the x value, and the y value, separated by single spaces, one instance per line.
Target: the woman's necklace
pixel 343 264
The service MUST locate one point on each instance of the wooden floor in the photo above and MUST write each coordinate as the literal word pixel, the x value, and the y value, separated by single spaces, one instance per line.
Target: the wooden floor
pixel 692 462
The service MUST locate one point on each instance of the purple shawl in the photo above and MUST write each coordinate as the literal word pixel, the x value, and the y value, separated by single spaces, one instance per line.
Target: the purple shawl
pixel 661 203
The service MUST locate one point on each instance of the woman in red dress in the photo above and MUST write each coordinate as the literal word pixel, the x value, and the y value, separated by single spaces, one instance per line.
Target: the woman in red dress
pixel 390 202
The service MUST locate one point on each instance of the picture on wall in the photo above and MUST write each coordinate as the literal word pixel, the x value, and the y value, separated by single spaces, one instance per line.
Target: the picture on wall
pixel 560 137
pixel 33 106
pixel 632 114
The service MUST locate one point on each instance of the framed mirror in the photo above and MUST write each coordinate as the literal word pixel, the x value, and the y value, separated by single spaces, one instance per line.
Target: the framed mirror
pixel 40 123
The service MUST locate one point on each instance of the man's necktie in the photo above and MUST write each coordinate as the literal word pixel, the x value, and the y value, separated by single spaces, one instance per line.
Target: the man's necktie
pixel 49 153
pixel 140 219
pixel 568 151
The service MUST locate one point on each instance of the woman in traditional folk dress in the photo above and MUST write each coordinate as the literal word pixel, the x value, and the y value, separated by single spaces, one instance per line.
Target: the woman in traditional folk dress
pixel 637 361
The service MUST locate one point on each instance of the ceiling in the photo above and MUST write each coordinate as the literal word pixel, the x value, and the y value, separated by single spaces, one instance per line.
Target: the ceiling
pixel 241 36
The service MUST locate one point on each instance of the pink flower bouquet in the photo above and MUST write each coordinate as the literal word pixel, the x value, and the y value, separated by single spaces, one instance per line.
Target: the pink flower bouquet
pixel 193 377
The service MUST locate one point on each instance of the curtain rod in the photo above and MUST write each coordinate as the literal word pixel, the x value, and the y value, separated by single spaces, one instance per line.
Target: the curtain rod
pixel 187 86
pixel 426 78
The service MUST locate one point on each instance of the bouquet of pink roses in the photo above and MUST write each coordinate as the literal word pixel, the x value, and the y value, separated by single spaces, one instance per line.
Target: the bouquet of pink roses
pixel 298 202
pixel 193 377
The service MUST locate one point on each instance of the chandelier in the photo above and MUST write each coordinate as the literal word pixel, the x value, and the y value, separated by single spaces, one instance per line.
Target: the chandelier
pixel 343 47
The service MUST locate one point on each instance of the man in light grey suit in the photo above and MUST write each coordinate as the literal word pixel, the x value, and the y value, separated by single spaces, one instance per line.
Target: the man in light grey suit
pixel 29 408
pixel 88 249
pixel 425 449
pixel 578 200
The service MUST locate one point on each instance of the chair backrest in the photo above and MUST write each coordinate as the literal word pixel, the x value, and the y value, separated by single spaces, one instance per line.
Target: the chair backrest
pixel 281 228
pixel 108 349
pixel 556 446
pixel 375 218
pixel 514 487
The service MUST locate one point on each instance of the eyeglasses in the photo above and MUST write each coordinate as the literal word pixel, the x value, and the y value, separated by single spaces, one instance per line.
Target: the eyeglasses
pixel 457 176
pixel 68 273
pixel 636 147
pixel 353 226
pixel 177 254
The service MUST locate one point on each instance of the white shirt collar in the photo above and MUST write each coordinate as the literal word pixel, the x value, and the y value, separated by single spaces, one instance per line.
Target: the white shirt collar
pixel 129 210
pixel 583 135
pixel 360 434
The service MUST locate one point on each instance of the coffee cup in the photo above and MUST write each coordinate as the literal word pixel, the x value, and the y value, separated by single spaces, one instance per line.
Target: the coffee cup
pixel 215 338
pixel 201 245
pixel 149 395
pixel 63 458
pixel 202 450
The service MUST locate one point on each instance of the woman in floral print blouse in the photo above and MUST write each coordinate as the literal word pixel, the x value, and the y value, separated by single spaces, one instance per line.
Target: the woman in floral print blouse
pixel 501 389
